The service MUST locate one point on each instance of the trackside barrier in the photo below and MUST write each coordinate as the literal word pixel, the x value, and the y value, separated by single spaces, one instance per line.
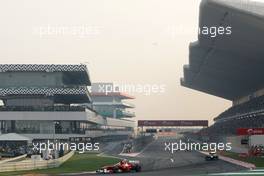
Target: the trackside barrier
pixel 34 164
pixel 13 159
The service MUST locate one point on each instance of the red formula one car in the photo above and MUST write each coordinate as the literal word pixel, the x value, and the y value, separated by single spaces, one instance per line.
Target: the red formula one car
pixel 122 166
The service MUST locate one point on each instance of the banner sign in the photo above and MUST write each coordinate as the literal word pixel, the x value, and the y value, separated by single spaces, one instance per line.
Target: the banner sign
pixel 184 123
pixel 250 131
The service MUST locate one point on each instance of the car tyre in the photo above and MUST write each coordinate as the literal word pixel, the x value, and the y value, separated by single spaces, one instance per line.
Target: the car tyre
pixel 138 168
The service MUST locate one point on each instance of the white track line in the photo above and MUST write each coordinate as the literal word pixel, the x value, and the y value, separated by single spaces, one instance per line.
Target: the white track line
pixel 240 173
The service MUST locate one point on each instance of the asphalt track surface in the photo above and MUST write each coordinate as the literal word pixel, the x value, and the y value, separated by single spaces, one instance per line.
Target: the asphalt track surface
pixel 156 161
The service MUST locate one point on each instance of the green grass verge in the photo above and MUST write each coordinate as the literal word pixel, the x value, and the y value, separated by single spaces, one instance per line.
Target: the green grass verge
pixel 259 162
pixel 78 163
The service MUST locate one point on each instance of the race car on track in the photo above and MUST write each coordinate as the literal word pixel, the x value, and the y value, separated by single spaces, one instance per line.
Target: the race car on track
pixel 212 156
pixel 122 166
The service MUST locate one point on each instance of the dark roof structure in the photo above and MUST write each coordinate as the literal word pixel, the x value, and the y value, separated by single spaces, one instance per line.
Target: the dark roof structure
pixel 228 66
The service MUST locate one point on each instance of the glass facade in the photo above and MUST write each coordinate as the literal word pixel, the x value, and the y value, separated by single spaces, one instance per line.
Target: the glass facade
pixel 44 127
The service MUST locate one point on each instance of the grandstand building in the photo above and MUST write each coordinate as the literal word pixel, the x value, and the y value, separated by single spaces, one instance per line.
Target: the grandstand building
pixel 111 104
pixel 230 66
pixel 46 102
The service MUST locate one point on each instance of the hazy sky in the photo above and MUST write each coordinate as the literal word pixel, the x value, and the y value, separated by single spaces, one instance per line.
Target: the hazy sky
pixel 125 41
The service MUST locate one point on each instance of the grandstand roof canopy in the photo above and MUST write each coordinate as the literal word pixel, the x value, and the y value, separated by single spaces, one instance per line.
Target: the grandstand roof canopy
pixel 228 66
pixel 74 74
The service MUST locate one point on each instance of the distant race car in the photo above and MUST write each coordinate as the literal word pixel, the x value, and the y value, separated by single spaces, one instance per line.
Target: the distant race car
pixel 122 166
pixel 212 156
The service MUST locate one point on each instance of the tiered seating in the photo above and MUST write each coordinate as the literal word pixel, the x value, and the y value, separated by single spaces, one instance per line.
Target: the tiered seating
pixel 245 115
pixel 250 106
